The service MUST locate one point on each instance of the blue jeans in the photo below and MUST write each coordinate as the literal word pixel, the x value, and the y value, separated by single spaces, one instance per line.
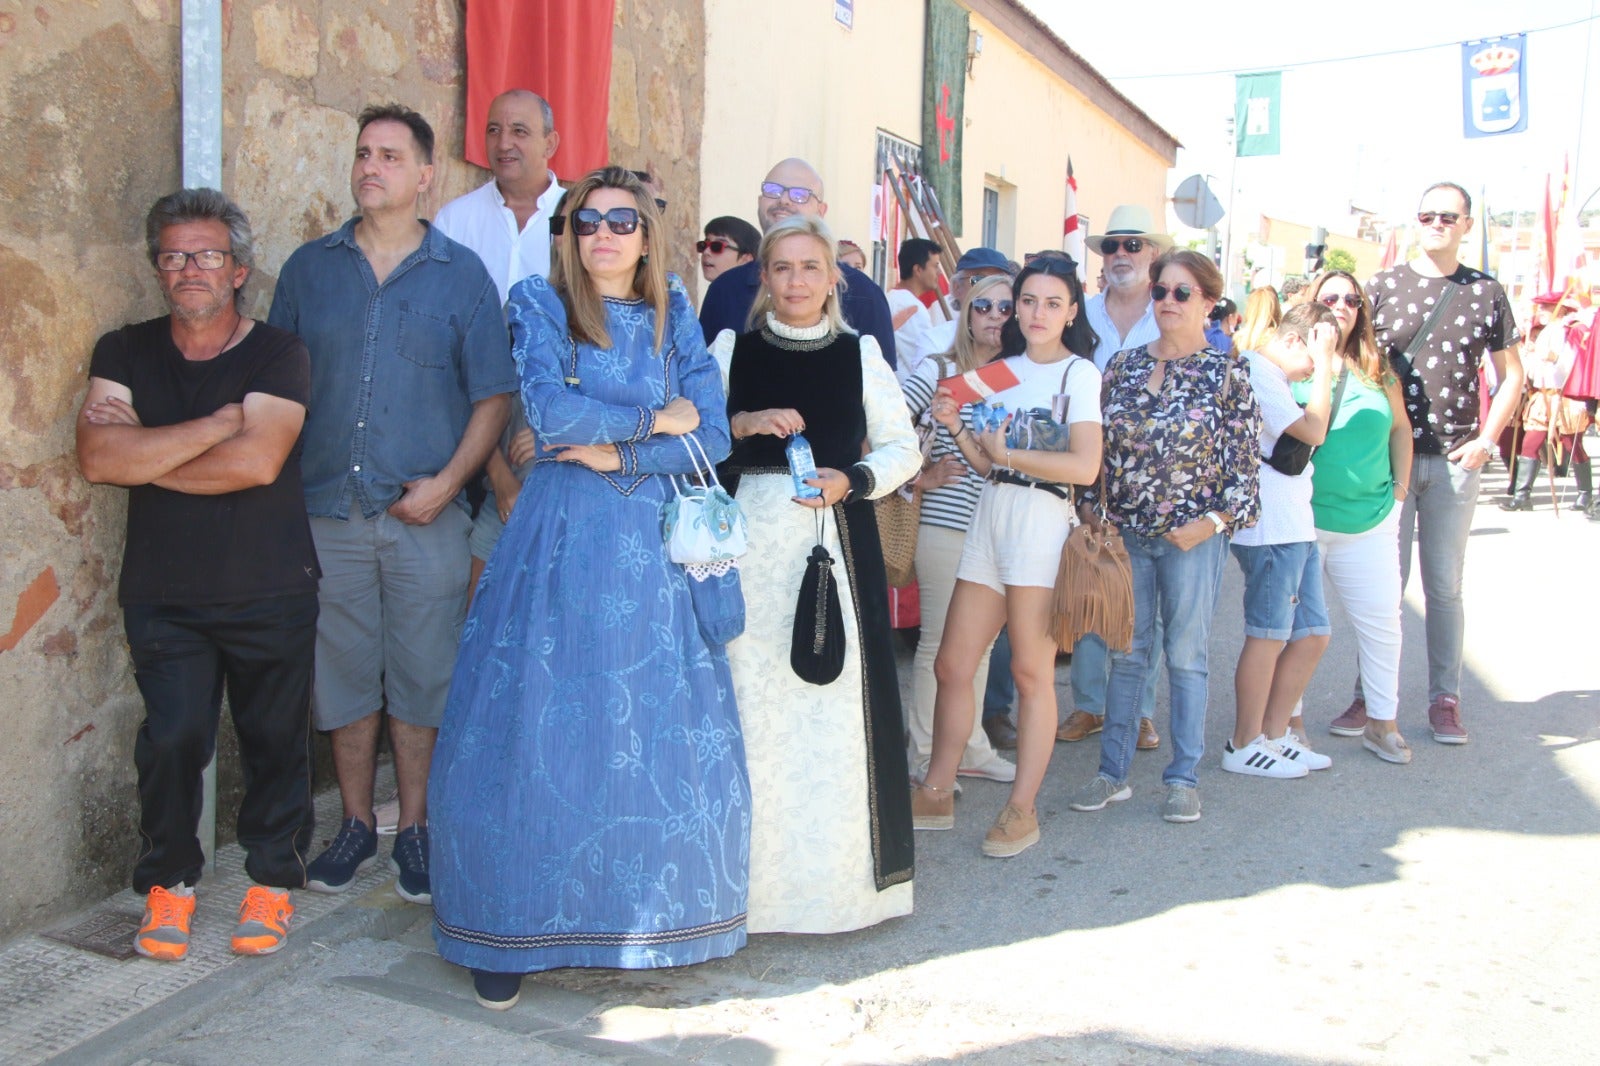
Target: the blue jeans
pixel 1000 690
pixel 1180 589
pixel 1091 673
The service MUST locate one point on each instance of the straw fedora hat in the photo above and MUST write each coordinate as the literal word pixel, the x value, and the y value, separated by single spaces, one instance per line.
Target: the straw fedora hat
pixel 1130 220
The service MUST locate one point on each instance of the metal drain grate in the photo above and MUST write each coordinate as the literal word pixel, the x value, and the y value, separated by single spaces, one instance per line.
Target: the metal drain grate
pixel 109 933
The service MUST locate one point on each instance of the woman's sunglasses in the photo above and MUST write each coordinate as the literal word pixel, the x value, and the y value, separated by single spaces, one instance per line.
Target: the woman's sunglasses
pixel 619 220
pixel 716 246
pixel 1181 293
pixel 1351 300
pixel 984 305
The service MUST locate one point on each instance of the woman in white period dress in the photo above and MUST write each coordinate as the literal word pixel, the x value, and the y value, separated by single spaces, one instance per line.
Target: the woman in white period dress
pixel 830 846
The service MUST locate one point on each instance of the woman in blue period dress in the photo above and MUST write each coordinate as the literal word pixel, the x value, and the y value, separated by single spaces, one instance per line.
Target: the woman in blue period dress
pixel 589 800
pixel 830 844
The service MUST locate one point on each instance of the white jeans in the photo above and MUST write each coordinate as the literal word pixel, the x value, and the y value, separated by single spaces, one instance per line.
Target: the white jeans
pixel 1364 569
pixel 938 552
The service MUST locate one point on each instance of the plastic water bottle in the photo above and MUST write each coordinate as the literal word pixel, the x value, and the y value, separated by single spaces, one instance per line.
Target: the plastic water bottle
pixel 801 467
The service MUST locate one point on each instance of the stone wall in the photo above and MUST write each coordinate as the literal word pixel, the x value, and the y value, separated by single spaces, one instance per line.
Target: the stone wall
pixel 89 130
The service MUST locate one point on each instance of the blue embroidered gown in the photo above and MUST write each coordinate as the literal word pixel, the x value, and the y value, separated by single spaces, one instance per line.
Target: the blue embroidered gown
pixel 588 803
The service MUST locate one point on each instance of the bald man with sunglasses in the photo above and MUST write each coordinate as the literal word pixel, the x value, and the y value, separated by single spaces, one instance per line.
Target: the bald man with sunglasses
pixel 794 187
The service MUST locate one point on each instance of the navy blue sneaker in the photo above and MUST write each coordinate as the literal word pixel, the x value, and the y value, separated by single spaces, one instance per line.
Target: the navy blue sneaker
pixel 353 850
pixel 497 991
pixel 409 861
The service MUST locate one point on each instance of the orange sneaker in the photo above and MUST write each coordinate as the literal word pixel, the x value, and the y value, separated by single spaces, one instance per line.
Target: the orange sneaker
pixel 165 932
pixel 263 921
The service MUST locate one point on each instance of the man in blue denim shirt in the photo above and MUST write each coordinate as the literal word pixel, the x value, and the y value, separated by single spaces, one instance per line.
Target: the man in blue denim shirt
pixel 411 373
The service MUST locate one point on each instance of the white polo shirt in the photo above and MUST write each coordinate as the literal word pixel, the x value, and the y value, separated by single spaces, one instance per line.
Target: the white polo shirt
pixel 1111 341
pixel 482 221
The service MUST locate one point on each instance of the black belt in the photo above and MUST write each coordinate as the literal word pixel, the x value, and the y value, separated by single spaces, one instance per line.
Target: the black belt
pixel 1006 477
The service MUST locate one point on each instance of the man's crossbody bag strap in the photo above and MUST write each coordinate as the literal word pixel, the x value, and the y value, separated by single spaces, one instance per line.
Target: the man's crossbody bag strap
pixel 1428 325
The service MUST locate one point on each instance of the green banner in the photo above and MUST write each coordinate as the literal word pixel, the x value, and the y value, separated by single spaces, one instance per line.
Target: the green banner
pixel 944 85
pixel 1257 113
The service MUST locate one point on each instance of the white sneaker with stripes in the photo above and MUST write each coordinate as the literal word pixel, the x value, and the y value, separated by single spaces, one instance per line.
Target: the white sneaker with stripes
pixel 1262 758
pixel 1291 748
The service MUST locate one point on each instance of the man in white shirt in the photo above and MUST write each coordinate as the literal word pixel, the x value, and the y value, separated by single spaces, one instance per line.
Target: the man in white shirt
pixel 507 220
pixel 919 274
pixel 1121 314
pixel 1122 317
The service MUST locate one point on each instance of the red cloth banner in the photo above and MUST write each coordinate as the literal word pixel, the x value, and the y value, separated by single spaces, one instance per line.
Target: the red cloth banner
pixel 561 49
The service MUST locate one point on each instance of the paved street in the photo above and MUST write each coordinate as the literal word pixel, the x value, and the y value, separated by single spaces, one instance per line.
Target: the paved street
pixel 1437 913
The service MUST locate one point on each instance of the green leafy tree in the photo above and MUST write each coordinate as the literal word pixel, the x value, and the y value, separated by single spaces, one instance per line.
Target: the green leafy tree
pixel 1339 259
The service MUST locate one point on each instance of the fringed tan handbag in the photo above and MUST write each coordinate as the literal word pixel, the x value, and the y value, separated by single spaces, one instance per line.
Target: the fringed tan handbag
pixel 1094 586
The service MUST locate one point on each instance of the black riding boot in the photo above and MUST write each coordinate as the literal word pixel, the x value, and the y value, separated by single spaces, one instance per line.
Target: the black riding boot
pixel 1522 485
pixel 1583 474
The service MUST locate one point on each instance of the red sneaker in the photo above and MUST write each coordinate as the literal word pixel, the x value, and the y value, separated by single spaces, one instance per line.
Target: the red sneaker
pixel 1444 716
pixel 1353 722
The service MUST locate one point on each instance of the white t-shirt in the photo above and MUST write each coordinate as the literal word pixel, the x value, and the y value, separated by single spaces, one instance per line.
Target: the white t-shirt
pixel 911 339
pixel 1285 501
pixel 1039 383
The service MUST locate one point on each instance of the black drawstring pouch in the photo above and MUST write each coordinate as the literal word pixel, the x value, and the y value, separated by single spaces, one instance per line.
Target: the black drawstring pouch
pixel 816 649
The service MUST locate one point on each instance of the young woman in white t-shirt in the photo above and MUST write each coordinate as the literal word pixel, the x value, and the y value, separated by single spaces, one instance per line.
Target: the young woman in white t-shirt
pixel 1008 565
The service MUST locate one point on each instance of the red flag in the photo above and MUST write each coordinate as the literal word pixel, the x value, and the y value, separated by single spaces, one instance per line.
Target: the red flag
pixel 1547 230
pixel 1072 235
pixel 561 49
pixel 1390 253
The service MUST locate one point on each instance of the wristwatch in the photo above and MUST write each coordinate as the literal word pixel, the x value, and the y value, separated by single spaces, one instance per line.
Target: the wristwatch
pixel 1216 520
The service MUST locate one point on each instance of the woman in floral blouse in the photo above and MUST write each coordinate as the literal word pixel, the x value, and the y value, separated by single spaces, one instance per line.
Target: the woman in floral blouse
pixel 1181 458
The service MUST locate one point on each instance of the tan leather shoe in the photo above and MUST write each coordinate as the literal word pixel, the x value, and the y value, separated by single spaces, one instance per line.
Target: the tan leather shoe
pixel 1080 724
pixel 1013 832
pixel 1149 739
pixel 932 808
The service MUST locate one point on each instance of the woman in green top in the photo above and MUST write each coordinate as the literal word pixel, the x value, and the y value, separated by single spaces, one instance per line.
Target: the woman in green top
pixel 1356 482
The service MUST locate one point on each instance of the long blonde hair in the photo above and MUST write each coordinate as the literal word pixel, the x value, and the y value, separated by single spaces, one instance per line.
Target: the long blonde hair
pixel 804 225
pixel 964 352
pixel 586 309
pixel 1262 314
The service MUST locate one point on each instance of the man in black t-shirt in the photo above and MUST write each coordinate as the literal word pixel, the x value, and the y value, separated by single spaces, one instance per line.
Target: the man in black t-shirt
pixel 198 414
pixel 1437 357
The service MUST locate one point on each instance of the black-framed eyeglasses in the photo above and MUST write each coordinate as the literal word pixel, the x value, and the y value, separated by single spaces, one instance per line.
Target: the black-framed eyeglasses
pixel 716 246
pixel 1351 300
pixel 1181 293
pixel 1131 245
pixel 619 220
pixel 796 194
pixel 983 306
pixel 1448 218
pixel 205 259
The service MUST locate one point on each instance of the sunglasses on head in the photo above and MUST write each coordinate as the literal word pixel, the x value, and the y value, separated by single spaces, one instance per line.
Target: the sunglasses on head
pixel 1181 293
pixel 1448 218
pixel 619 220
pixel 1351 300
pixel 716 245
pixel 796 194
pixel 983 305
pixel 1131 245
pixel 1059 264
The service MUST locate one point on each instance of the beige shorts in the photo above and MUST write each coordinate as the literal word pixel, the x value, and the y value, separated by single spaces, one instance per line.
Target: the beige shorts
pixel 1016 538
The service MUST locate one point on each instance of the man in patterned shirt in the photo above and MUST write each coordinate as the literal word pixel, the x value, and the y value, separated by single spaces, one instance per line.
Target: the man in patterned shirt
pixel 1439 377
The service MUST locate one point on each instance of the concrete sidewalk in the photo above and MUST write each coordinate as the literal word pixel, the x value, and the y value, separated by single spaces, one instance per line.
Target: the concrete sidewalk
pixel 1441 912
